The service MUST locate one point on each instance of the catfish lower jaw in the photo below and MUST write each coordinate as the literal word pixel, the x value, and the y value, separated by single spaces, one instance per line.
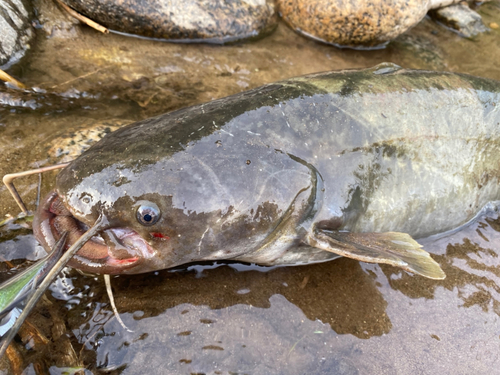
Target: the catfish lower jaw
pixel 120 250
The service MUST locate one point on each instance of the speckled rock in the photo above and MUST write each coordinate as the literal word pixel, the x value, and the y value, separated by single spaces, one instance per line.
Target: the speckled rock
pixel 72 145
pixel 215 21
pixel 16 31
pixel 355 23
pixel 460 18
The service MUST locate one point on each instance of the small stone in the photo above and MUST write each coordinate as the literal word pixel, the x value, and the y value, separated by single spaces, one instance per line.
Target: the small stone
pixel 494 25
pixel 55 21
pixel 211 21
pixel 73 145
pixel 461 19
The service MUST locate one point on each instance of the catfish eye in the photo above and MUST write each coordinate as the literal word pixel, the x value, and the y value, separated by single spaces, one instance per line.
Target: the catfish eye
pixel 148 213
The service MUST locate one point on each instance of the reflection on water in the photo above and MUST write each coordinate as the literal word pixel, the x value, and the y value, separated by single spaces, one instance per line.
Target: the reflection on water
pixel 471 263
pixel 320 291
pixel 337 317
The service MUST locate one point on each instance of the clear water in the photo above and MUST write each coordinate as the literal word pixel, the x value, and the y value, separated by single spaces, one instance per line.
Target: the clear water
pixel 340 317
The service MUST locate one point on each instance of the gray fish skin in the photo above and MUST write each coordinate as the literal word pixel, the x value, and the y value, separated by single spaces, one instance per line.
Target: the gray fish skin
pixel 251 177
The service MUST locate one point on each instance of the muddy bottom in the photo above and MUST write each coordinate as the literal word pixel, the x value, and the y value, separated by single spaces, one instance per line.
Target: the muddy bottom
pixel 340 317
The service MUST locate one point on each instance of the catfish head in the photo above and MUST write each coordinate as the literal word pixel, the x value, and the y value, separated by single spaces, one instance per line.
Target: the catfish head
pixel 176 210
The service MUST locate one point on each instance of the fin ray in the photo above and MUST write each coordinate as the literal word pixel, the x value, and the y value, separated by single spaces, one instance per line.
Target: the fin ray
pixel 395 248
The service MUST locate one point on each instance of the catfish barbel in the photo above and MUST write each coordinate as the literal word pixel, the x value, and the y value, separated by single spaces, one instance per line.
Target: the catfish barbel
pixel 351 163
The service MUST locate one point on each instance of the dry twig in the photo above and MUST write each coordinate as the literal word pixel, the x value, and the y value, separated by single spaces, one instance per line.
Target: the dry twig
pixel 76 78
pixel 82 18
pixel 7 78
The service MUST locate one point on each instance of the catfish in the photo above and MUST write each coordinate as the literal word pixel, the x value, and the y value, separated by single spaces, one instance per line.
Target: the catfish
pixel 354 163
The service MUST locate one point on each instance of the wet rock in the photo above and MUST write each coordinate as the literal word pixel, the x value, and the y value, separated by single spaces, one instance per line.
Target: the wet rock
pixel 16 31
pixel 72 145
pixel 54 21
pixel 420 50
pixel 215 21
pixel 460 18
pixel 355 24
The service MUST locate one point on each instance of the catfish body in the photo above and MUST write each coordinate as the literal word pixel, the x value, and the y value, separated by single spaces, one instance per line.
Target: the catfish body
pixel 347 163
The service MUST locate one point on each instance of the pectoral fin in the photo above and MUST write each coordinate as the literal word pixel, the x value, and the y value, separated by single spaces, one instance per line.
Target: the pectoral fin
pixel 397 249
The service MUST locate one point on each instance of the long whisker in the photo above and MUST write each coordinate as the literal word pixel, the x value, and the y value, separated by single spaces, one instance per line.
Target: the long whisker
pixel 39 189
pixel 101 223
pixel 9 178
pixel 107 281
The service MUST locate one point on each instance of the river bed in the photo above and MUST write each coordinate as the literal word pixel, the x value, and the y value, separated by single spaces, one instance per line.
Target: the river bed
pixel 339 317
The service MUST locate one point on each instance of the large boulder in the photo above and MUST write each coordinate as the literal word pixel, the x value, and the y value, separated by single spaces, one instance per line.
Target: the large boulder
pixel 216 21
pixel 355 23
pixel 16 30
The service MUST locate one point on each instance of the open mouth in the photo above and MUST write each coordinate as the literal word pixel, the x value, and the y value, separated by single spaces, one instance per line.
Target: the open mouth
pixel 113 251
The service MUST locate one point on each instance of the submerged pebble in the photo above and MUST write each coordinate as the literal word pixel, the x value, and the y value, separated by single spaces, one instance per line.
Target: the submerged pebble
pixel 460 18
pixel 74 144
pixel 215 21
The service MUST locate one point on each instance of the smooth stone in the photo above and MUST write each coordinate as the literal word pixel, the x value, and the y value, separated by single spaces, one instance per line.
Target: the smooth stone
pixel 356 24
pixel 212 21
pixel 16 31
pixel 460 18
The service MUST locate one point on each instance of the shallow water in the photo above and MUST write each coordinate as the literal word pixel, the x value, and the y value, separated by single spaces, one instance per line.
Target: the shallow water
pixel 340 317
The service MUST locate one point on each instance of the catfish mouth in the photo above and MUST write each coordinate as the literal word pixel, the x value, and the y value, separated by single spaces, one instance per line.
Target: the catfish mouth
pixel 115 250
